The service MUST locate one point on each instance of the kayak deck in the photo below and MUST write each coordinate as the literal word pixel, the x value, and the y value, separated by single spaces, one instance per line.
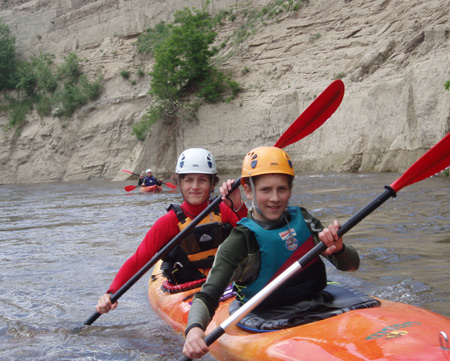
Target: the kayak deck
pixel 392 331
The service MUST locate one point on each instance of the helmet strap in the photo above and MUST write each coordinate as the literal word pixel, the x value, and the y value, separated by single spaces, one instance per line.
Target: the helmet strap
pixel 254 202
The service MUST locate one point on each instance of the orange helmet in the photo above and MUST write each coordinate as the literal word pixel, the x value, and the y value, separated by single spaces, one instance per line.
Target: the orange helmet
pixel 266 160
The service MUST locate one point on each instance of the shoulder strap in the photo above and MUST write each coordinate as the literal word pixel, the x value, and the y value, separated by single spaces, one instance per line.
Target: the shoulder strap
pixel 178 211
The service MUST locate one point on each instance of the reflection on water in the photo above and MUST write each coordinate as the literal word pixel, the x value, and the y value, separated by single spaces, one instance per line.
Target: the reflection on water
pixel 62 244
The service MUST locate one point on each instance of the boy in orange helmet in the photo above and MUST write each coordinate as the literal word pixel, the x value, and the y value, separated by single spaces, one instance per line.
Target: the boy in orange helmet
pixel 272 237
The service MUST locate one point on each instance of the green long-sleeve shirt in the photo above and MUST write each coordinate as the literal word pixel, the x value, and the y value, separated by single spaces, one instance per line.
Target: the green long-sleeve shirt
pixel 238 260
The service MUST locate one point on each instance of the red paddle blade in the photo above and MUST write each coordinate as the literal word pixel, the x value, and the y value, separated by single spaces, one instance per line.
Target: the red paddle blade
pixel 130 188
pixel 170 185
pixel 124 170
pixel 431 163
pixel 315 115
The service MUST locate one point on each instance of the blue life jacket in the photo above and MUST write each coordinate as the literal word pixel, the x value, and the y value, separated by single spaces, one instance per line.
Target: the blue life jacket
pixel 149 181
pixel 279 249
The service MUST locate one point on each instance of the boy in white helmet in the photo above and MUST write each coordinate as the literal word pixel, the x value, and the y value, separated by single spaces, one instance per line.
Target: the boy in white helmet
pixel 272 237
pixel 150 180
pixel 197 176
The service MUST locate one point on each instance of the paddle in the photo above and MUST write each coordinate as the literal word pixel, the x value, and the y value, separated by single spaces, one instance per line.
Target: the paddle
pixel 324 105
pixel 128 171
pixel 131 188
pixel 431 163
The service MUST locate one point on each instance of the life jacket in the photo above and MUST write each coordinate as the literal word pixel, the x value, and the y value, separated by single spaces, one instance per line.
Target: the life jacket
pixel 280 248
pixel 149 181
pixel 196 250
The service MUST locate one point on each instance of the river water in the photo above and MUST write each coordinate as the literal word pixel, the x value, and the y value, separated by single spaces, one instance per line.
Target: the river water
pixel 62 243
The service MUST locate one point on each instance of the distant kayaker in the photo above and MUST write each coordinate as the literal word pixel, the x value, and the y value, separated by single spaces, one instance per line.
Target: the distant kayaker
pixel 150 179
pixel 272 237
pixel 141 179
pixel 196 175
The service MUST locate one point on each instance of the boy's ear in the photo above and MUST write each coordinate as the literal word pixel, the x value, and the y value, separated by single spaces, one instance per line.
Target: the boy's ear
pixel 248 192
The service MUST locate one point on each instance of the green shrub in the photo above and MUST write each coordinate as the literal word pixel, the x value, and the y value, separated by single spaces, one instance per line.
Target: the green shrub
pixel 212 88
pixel 125 74
pixel 233 86
pixel 26 78
pixel 141 128
pixel 7 57
pixel 70 69
pixel 18 112
pixel 447 85
pixel 43 106
pixel 72 96
pixel 91 90
pixel 53 89
pixel 45 79
pixel 67 100
pixel 314 37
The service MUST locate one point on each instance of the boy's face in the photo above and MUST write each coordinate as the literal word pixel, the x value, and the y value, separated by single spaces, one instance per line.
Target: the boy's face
pixel 272 195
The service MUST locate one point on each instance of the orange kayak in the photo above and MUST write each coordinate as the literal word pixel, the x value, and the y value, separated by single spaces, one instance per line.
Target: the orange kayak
pixel 391 331
pixel 151 189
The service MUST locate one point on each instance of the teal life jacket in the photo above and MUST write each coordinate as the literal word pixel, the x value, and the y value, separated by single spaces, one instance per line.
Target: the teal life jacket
pixel 279 249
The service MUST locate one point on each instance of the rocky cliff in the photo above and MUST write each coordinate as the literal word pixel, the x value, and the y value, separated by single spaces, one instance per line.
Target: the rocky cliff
pixel 392 55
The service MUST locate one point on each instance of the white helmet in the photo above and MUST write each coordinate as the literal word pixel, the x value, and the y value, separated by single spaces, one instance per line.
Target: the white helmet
pixel 196 160
pixel 148 171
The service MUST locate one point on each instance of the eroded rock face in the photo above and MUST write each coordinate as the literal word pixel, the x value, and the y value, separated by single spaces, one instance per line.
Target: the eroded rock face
pixel 393 57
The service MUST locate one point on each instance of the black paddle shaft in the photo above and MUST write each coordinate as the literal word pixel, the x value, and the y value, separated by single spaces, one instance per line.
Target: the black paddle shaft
pixel 164 251
pixel 347 226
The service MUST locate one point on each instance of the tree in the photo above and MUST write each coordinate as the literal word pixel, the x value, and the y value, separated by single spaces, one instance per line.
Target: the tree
pixel 183 69
pixel 182 61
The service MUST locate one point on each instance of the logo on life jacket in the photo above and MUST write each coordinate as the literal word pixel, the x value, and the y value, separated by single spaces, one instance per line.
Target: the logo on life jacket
pixel 205 238
pixel 290 242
